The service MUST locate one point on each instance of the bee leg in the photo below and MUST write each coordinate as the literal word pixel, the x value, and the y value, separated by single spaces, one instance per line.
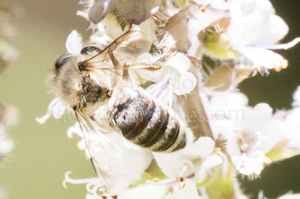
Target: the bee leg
pixel 125 74
pixel 114 60
pixel 117 66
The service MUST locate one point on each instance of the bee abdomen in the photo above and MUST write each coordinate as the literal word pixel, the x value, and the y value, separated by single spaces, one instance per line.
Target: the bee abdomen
pixel 146 123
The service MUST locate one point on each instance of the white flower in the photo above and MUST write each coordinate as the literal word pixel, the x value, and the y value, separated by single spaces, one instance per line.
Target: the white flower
pixel 291 123
pixel 8 117
pixel 290 196
pixel 250 133
pixel 56 109
pixel 130 10
pixel 253 31
pixel 296 97
pixel 117 161
pixel 173 77
pixel 193 160
pixel 2 194
pixel 74 43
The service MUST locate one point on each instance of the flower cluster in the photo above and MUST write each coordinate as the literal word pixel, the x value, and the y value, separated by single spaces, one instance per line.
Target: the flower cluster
pixel 171 48
pixel 7 52
pixel 8 115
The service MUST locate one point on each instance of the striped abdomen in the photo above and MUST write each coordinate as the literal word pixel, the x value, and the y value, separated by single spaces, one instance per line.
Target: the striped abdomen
pixel 146 123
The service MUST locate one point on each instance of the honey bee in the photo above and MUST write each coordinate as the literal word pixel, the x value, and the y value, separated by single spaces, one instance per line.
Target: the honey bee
pixel 96 78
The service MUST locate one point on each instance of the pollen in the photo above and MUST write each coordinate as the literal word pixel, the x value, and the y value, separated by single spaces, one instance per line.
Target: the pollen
pixel 267 160
pixel 203 8
pixel 286 64
pixel 171 189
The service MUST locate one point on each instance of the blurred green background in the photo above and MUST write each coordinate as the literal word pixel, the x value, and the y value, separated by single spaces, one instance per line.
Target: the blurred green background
pixel 43 153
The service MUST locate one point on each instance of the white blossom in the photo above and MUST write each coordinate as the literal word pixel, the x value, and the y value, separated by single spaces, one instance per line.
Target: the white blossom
pixel 254 30
pixel 174 77
pixel 195 159
pixel 244 30
pixel 56 109
pixel 118 161
pixel 8 117
pixel 250 132
pixel 291 123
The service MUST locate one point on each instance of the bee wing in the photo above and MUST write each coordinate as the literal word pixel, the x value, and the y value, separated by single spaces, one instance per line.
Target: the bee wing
pixel 132 43
pixel 104 148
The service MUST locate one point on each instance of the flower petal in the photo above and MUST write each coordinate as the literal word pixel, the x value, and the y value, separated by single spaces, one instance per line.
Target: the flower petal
pixel 73 43
pixel 177 26
pixel 189 191
pixel 211 161
pixel 136 11
pixel 135 161
pixel 185 83
pixel 99 9
pixel 180 62
pixel 264 58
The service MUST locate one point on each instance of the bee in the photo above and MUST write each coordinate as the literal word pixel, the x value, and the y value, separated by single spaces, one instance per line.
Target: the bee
pixel 96 78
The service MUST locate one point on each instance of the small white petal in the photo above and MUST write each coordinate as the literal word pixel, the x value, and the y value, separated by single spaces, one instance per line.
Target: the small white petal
pixel 180 62
pixel 211 161
pixel 264 58
pixel 73 43
pixel 135 162
pixel 296 97
pixel 204 146
pixel 185 83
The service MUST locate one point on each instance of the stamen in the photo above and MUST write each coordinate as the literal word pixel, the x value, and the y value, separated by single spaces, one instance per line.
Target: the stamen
pixel 182 185
pixel 243 164
pixel 171 189
pixel 267 160
pixel 180 179
pixel 203 8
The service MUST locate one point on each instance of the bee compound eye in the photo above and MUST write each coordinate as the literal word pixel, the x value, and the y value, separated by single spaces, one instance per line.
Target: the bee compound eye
pixel 90 50
pixel 62 60
pixel 81 66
